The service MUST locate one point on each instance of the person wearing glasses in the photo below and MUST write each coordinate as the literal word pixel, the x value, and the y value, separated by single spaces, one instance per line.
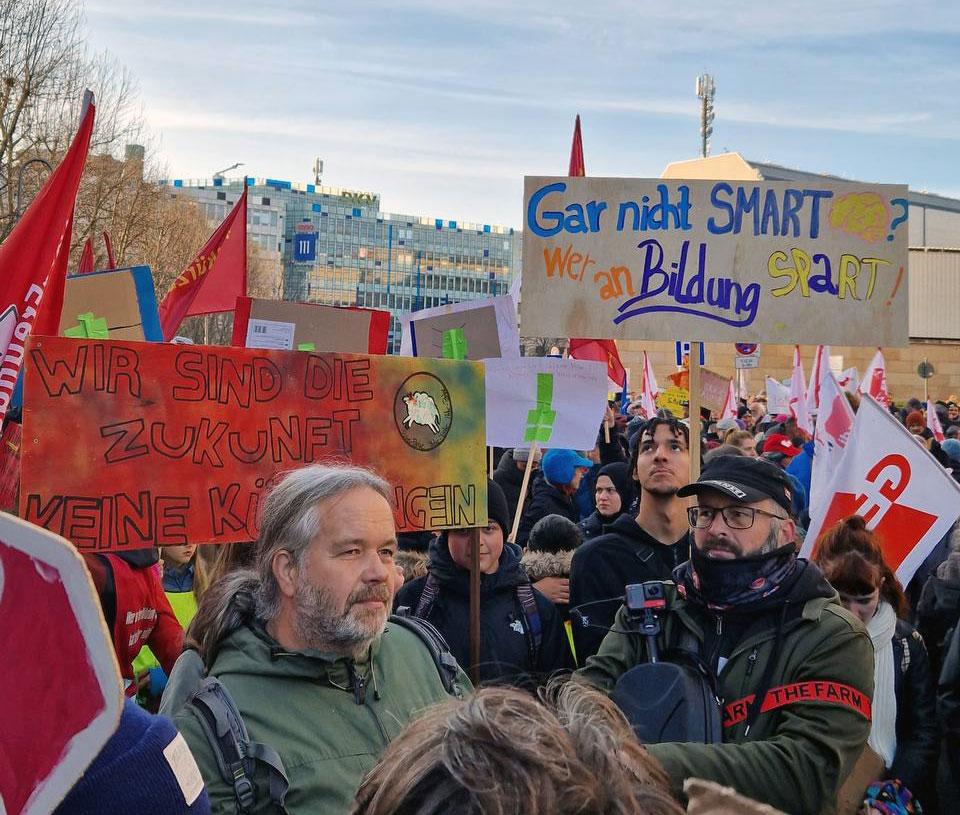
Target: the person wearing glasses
pixel 793 669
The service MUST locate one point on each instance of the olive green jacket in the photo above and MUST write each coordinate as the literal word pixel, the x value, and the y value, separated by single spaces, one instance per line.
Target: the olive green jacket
pixel 798 752
pixel 328 729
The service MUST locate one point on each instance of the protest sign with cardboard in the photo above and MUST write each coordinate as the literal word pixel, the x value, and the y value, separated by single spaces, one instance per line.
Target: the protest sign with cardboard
pixel 131 444
pixel 285 326
pixel 713 388
pixel 553 402
pixel 61 695
pixel 778 397
pixel 119 304
pixel 739 261
pixel 488 329
pixel 890 478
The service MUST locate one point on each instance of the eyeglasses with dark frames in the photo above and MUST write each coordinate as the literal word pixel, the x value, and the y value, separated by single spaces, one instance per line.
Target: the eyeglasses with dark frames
pixel 734 517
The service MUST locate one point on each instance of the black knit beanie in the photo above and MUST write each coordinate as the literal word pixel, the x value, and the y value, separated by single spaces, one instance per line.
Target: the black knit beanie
pixel 497 508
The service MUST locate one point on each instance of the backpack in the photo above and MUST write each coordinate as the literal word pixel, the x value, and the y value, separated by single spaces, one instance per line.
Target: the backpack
pixel 673 697
pixel 528 604
pixel 227 734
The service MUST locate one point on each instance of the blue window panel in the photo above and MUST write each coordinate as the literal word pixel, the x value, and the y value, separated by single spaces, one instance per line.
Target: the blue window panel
pixel 249 181
pixel 178 182
pixel 218 181
pixel 324 214
pixel 452 224
pixel 486 253
pixel 315 207
pixel 439 223
pixel 401 242
pixel 305 247
pixel 356 212
pixel 486 227
pixel 311 188
pixel 348 217
pixel 376 263
pixel 280 185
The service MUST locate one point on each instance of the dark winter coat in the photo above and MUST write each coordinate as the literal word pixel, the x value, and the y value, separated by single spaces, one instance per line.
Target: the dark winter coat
pixel 801 748
pixel 593 525
pixel 603 566
pixel 948 715
pixel 939 609
pixel 917 734
pixel 510 480
pixel 544 499
pixel 504 639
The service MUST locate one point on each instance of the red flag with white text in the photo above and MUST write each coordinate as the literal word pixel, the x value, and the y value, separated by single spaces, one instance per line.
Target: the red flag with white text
pixel 33 258
pixel 216 277
pixel 888 476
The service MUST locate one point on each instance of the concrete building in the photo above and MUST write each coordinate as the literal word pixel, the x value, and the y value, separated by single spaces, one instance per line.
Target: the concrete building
pixel 337 247
pixel 934 296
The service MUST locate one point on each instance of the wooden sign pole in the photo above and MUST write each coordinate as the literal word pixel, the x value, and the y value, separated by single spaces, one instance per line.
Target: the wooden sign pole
pixel 475 606
pixel 694 409
pixel 523 492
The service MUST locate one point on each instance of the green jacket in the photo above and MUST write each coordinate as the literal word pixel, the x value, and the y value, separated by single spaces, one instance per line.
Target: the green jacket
pixel 327 729
pixel 799 751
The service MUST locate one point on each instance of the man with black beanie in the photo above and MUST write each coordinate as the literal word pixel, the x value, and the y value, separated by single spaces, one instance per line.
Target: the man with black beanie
pixel 793 670
pixel 521 632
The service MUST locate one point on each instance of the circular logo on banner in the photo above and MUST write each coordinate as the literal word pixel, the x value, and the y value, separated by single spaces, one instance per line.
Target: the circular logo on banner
pixel 745 347
pixel 423 411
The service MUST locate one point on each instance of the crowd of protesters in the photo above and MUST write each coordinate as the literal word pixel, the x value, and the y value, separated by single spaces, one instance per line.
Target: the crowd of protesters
pixel 343 648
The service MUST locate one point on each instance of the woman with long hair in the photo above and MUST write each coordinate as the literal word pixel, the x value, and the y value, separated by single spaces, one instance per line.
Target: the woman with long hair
pixel 903 730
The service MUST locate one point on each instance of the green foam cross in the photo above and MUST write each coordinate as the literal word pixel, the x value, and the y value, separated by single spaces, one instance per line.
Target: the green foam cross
pixel 306 346
pixel 92 328
pixel 454 344
pixel 540 420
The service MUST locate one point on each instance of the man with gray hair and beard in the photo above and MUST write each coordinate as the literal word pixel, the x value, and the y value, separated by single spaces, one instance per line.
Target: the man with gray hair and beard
pixel 305 647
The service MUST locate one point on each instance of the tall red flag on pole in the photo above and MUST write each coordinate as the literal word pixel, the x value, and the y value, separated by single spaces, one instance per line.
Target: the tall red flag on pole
pixel 86 258
pixel 576 152
pixel 34 257
pixel 216 277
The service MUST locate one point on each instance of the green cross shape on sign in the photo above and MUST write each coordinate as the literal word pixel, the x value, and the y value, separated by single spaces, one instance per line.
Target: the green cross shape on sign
pixel 306 346
pixel 540 420
pixel 93 328
pixel 454 344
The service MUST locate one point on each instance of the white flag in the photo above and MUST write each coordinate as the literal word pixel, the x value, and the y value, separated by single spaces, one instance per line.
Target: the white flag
pixel 874 381
pixel 648 389
pixel 834 424
pixel 849 380
pixel 729 410
pixel 821 362
pixel 887 476
pixel 798 394
pixel 933 421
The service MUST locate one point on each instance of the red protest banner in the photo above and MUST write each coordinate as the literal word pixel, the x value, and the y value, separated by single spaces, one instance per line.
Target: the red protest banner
pixel 50 731
pixel 132 444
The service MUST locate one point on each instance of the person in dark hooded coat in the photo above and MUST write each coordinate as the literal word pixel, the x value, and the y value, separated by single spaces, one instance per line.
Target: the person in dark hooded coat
pixel 615 493
pixel 522 639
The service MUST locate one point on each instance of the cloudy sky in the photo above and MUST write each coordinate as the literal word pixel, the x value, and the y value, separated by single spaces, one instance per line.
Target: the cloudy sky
pixel 443 106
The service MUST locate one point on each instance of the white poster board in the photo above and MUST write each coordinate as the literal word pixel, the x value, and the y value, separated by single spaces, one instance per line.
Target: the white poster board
pixel 714 261
pixel 488 326
pixel 516 387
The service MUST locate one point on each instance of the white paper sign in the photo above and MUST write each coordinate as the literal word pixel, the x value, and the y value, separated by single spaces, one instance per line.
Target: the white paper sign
pixel 778 397
pixel 489 328
pixel 270 334
pixel 515 396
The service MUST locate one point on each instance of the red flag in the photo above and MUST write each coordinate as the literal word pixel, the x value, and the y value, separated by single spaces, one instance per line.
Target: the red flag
pixel 874 382
pixel 86 258
pixel 600 351
pixel 798 394
pixel 576 152
pixel 221 264
pixel 729 409
pixel 35 255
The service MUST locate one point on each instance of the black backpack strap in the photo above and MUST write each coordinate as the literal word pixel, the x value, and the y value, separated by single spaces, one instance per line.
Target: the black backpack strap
pixel 431 588
pixel 445 661
pixel 235 753
pixel 528 602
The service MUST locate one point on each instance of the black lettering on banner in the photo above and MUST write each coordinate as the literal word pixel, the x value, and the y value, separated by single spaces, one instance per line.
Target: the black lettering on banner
pixel 811 691
pixel 223 506
pixel 61 377
pixel 244 454
pixel 189 364
pixel 133 522
pixel 171 519
pixel 436 506
pixel 286 437
pixel 158 438
pixel 127 434
pixel 207 441
pixel 345 420
pixel 125 365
